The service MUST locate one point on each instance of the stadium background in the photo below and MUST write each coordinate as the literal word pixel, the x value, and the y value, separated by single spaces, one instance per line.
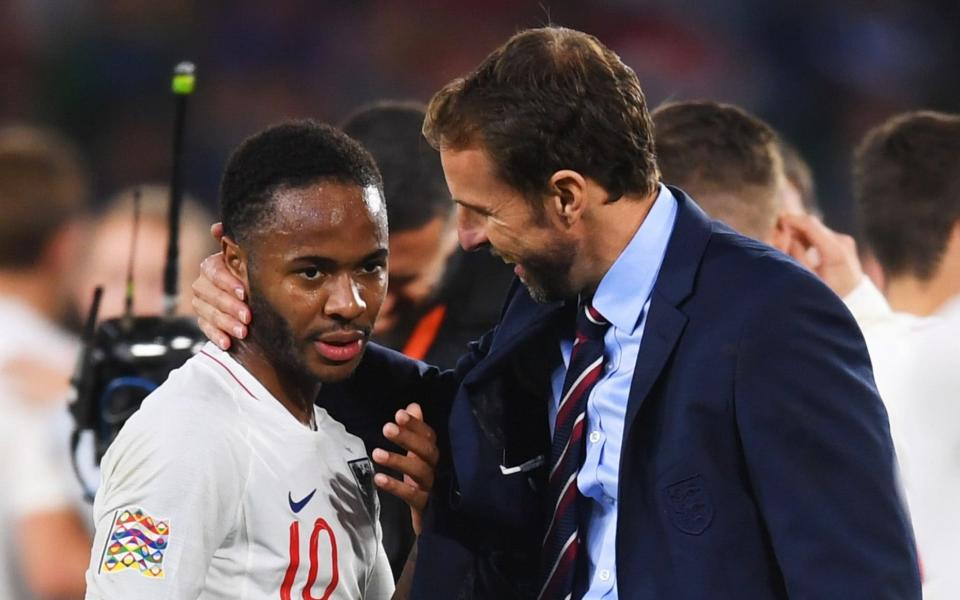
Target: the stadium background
pixel 821 72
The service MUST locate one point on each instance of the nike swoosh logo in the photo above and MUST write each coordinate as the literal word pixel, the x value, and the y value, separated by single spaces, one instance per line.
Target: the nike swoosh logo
pixel 298 506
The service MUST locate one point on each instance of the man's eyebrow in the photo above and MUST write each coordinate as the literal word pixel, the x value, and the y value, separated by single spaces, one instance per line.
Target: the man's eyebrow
pixel 475 207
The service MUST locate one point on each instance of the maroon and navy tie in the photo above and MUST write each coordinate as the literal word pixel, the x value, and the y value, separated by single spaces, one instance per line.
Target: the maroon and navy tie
pixel 561 543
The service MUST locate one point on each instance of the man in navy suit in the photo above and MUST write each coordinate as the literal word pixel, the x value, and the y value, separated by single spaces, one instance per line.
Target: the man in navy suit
pixel 726 436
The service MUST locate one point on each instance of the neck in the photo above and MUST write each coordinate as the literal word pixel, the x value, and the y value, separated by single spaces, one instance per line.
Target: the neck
pixel 915 296
pixel 610 231
pixel 34 288
pixel 294 391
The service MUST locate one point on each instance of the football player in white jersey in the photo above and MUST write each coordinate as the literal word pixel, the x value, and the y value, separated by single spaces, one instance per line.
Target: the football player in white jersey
pixel 229 482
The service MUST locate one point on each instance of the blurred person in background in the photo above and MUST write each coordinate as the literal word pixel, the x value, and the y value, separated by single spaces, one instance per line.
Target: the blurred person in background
pixel 106 255
pixel 907 184
pixel 734 164
pixel 440 297
pixel 799 192
pixel 44 545
pixel 730 161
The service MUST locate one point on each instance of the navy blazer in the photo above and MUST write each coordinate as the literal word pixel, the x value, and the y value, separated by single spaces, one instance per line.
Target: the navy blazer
pixel 756 461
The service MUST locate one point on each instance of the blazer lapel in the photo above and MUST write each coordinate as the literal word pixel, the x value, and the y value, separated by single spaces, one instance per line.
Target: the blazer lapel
pixel 522 320
pixel 665 321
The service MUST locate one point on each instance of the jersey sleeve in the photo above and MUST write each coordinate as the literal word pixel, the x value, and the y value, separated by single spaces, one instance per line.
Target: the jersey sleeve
pixel 867 303
pixel 171 495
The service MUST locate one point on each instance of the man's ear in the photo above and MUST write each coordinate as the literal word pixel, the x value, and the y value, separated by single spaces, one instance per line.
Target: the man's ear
pixel 567 192
pixel 236 261
pixel 780 236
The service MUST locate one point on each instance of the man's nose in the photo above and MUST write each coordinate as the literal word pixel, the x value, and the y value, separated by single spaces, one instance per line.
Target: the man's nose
pixel 344 301
pixel 472 234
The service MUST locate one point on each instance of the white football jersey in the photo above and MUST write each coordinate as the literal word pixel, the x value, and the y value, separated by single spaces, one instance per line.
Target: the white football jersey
pixel 214 490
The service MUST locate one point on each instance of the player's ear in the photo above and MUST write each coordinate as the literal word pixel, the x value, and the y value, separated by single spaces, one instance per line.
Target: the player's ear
pixel 235 260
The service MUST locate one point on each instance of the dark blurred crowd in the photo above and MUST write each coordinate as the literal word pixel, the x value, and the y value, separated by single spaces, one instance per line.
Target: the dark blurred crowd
pixel 821 74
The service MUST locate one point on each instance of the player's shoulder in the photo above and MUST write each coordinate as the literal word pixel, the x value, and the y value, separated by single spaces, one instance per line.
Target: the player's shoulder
pixel 336 434
pixel 196 403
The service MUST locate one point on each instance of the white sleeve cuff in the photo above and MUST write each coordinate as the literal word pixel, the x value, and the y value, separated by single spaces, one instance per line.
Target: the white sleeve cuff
pixel 866 303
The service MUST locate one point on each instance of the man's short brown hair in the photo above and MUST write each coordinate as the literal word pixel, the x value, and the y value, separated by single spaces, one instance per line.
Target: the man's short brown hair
pixel 800 175
pixel 551 99
pixel 725 158
pixel 43 185
pixel 907 189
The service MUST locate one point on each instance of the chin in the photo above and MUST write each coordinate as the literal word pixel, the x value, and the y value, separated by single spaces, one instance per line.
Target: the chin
pixel 545 294
pixel 327 372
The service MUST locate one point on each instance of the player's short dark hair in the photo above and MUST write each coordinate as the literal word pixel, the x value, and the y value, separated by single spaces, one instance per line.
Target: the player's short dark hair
pixel 413 183
pixel 292 154
pixel 907 189
pixel 800 175
pixel 726 158
pixel 43 186
pixel 551 99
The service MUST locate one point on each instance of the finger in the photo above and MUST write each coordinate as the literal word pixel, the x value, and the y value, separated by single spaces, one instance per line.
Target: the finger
pixel 849 244
pixel 415 411
pixel 418 443
pixel 821 237
pixel 410 465
pixel 216 230
pixel 214 269
pixel 415 471
pixel 213 292
pixel 798 251
pixel 415 424
pixel 213 334
pixel 218 307
pixel 416 498
pixel 212 316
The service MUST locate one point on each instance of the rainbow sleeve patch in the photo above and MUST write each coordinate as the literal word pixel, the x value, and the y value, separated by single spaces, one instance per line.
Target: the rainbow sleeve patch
pixel 138 542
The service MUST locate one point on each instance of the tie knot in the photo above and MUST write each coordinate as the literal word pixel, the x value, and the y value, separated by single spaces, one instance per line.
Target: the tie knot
pixel 590 323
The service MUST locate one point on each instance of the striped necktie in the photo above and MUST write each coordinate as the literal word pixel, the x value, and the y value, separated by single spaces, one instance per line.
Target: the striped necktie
pixel 561 542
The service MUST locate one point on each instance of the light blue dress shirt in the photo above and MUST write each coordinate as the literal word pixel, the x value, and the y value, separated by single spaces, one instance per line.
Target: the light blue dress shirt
pixel 623 298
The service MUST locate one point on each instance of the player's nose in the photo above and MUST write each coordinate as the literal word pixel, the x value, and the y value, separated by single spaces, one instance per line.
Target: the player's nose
pixel 344 301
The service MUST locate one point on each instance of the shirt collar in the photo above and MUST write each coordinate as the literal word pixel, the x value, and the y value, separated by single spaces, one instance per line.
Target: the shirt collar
pixel 625 288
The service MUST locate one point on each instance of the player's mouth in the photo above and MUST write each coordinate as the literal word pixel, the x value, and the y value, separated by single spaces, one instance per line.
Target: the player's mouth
pixel 340 346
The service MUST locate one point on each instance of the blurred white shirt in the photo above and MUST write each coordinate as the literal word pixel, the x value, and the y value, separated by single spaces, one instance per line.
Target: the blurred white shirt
pixel 916 362
pixel 35 473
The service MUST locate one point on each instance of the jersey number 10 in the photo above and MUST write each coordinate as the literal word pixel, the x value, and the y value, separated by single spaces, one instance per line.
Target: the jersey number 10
pixel 294 566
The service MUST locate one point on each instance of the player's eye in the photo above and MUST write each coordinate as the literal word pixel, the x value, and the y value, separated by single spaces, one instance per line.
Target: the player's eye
pixel 374 267
pixel 310 273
